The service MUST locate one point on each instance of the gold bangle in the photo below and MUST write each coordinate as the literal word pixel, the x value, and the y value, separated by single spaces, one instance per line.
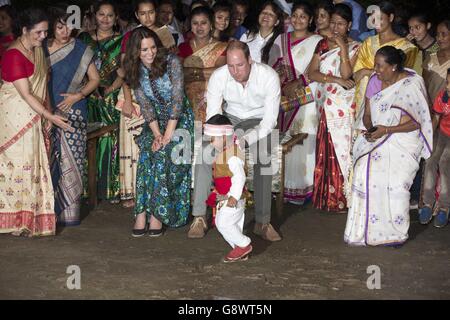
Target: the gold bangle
pixel 345 60
pixel 325 78
pixel 387 130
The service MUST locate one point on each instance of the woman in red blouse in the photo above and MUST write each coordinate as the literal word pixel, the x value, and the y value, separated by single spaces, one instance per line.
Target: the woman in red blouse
pixel 26 192
pixel 201 56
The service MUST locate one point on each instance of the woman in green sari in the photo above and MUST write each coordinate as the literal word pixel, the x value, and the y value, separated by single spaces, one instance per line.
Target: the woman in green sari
pixel 106 44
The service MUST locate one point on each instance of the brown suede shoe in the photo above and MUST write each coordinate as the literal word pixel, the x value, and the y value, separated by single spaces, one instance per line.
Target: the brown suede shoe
pixel 198 228
pixel 267 232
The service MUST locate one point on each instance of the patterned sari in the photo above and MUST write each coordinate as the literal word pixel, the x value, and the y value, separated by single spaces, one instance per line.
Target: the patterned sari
pixel 336 107
pixel 69 67
pixel 163 181
pixel 102 109
pixel 206 57
pixel 292 62
pixel 366 59
pixel 384 170
pixel 26 191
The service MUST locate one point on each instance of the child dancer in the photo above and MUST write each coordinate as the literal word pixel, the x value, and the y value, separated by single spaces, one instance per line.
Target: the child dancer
pixel 229 181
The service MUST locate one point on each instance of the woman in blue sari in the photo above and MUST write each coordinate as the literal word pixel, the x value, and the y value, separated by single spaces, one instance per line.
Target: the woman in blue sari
pixel 71 61
pixel 164 166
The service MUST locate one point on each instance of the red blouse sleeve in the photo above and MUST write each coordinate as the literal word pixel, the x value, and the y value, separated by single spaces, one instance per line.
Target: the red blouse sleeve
pixel 16 66
pixel 438 103
pixel 125 39
pixel 322 47
pixel 184 50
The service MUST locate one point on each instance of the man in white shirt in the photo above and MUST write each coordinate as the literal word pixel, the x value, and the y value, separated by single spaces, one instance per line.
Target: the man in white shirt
pixel 251 91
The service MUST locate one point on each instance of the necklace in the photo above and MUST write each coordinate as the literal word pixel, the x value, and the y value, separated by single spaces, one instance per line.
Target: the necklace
pixel 209 42
pixel 109 36
pixel 26 49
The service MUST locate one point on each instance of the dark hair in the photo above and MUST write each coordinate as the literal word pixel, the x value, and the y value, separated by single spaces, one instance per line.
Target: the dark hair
pixel 420 16
pixel 239 45
pixel 169 2
pixel 125 12
pixel 326 5
pixel 137 3
pixel 219 120
pixel 393 56
pixel 278 29
pixel 28 19
pixel 10 12
pixel 344 11
pixel 387 8
pixel 446 23
pixel 132 61
pixel 57 14
pixel 203 11
pixel 223 6
pixel 99 4
pixel 243 3
pixel 306 8
pixel 202 3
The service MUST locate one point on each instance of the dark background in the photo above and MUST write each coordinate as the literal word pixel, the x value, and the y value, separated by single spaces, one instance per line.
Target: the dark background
pixel 437 9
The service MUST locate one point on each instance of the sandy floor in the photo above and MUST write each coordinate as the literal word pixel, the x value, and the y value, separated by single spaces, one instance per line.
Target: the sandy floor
pixel 312 262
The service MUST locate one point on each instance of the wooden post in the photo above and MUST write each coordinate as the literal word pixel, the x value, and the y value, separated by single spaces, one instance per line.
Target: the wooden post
pixel 92 161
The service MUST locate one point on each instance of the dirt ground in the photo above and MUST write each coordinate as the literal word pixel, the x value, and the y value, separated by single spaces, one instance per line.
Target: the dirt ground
pixel 311 262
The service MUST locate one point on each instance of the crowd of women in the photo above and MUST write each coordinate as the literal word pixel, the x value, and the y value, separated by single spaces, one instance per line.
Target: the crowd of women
pixel 365 97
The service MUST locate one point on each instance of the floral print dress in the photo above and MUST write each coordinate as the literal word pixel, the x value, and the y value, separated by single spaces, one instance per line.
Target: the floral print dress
pixel 164 177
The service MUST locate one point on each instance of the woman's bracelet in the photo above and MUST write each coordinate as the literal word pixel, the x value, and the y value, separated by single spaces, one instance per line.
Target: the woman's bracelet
pixel 386 128
pixel 325 78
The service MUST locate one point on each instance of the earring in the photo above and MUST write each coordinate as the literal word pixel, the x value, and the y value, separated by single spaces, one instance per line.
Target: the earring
pixel 393 69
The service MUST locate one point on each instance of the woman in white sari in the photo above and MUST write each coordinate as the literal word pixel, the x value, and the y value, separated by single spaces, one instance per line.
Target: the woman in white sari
pixel 332 68
pixel 386 155
pixel 290 56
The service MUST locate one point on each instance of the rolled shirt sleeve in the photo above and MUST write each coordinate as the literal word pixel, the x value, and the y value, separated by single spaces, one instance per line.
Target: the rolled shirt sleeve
pixel 272 99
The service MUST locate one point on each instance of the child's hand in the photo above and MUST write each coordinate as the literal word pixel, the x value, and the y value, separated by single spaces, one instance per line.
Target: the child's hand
pixel 232 202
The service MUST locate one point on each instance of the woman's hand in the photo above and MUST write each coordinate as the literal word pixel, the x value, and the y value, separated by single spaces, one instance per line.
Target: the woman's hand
pixel 339 41
pixel 108 90
pixel 410 37
pixel 166 139
pixel 127 109
pixel 377 134
pixel 346 84
pixel 61 122
pixel 157 143
pixel 69 100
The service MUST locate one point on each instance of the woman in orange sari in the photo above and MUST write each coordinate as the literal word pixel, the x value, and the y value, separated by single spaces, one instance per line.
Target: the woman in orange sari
pixel 201 56
pixel 26 191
